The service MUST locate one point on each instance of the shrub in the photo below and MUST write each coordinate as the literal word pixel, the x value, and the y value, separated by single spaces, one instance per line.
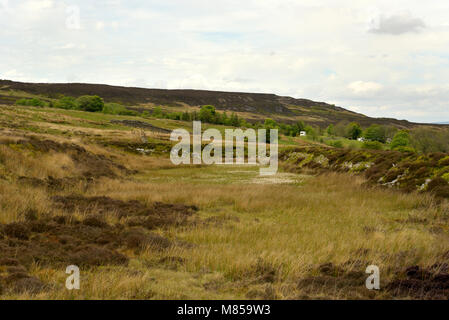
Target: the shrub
pixel 311 132
pixel 426 140
pixel 66 103
pixel 354 145
pixel 439 186
pixel 404 149
pixel 336 144
pixel 174 115
pixel 373 145
pixel 400 140
pixel 234 120
pixel 157 112
pixel 300 126
pixel 186 116
pixel 90 103
pixel 445 176
pixel 353 131
pixel 207 114
pixel 375 133
pixel 31 102
pixel 330 130
pixel 117 109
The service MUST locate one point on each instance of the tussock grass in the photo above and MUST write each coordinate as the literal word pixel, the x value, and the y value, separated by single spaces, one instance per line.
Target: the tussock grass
pixel 248 239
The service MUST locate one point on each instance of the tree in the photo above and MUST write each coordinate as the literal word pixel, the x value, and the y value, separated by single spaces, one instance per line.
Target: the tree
pixel 294 131
pixel 300 126
pixel 330 130
pixel 400 140
pixel 289 130
pixel 390 131
pixel 375 133
pixel 427 140
pixel 340 129
pixel 157 112
pixel 207 114
pixel 270 123
pixel 235 122
pixel 90 103
pixel 353 131
pixel 185 116
pixel 311 132
pixel 224 119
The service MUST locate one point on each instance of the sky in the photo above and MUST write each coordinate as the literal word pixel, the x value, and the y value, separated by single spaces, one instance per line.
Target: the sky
pixel 380 58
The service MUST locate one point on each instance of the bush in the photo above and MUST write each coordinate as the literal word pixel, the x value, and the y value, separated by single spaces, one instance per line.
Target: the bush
pixel 157 112
pixel 31 102
pixel 118 109
pixel 404 149
pixel 445 177
pixel 311 133
pixel 426 140
pixel 353 145
pixel 401 140
pixel 353 131
pixel 373 145
pixel 330 130
pixel 336 144
pixel 66 103
pixel 90 103
pixel 174 115
pixel 207 114
pixel 375 133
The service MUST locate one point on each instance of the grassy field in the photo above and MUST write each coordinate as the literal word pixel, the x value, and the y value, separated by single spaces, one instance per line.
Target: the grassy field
pixel 75 191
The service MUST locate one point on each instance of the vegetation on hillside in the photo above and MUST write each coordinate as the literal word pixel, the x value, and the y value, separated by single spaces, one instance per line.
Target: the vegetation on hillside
pixel 78 189
pixel 340 135
pixel 406 171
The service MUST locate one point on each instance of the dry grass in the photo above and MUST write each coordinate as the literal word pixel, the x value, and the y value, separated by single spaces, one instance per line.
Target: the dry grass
pixel 248 240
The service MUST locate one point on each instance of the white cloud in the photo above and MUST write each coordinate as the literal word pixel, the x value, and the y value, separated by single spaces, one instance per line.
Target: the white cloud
pixel 99 25
pixel 362 87
pixel 37 5
pixel 316 49
pixel 397 24
pixel 11 74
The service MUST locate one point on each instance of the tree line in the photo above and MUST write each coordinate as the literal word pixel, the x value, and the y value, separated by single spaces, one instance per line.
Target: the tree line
pixel 421 139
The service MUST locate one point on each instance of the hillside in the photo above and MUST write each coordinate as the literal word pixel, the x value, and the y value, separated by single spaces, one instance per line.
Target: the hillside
pixel 252 106
pixel 82 188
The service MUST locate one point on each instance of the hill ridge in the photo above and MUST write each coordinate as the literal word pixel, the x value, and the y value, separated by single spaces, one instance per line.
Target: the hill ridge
pixel 252 105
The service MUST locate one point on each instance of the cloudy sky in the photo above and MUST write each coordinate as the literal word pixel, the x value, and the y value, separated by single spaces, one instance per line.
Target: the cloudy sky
pixel 381 58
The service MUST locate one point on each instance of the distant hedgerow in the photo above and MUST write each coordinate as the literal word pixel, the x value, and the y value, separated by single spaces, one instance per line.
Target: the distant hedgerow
pixel 118 109
pixel 31 102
